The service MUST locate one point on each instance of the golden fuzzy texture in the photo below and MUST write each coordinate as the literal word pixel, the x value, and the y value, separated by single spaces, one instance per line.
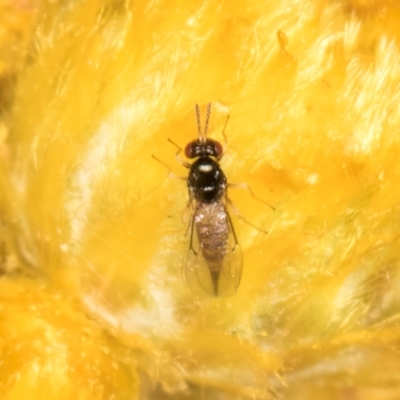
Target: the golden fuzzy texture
pixel 312 91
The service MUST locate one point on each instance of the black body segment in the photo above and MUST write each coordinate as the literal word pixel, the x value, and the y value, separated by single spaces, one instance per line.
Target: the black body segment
pixel 206 181
pixel 203 147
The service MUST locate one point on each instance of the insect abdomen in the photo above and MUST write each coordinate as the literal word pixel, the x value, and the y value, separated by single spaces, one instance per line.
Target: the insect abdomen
pixel 211 222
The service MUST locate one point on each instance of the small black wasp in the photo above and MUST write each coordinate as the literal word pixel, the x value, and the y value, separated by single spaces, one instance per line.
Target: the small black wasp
pixel 214 260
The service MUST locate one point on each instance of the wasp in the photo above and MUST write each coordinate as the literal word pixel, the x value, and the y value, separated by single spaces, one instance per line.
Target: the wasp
pixel 214 259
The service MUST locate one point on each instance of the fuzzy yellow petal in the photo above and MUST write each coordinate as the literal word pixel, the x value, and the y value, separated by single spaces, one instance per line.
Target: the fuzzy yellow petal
pixel 311 89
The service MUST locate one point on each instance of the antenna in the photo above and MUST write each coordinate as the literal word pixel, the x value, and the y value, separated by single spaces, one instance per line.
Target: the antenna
pixel 207 119
pixel 202 136
pixel 198 120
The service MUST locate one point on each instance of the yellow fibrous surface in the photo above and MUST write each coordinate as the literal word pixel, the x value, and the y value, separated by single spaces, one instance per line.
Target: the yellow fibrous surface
pixel 50 350
pixel 93 237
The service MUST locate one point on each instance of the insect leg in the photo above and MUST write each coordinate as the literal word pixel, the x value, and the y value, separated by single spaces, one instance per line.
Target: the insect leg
pixel 233 230
pixel 237 212
pixel 223 130
pixel 191 227
pixel 225 139
pixel 170 173
pixel 177 154
pixel 244 185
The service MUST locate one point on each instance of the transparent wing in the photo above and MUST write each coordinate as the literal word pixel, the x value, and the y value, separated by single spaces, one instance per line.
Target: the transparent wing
pixel 207 280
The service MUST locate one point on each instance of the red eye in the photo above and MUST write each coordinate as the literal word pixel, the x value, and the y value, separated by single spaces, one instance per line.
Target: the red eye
pixel 218 149
pixel 190 150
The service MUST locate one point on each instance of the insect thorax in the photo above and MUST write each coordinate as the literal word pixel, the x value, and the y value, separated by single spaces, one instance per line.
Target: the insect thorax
pixel 206 181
